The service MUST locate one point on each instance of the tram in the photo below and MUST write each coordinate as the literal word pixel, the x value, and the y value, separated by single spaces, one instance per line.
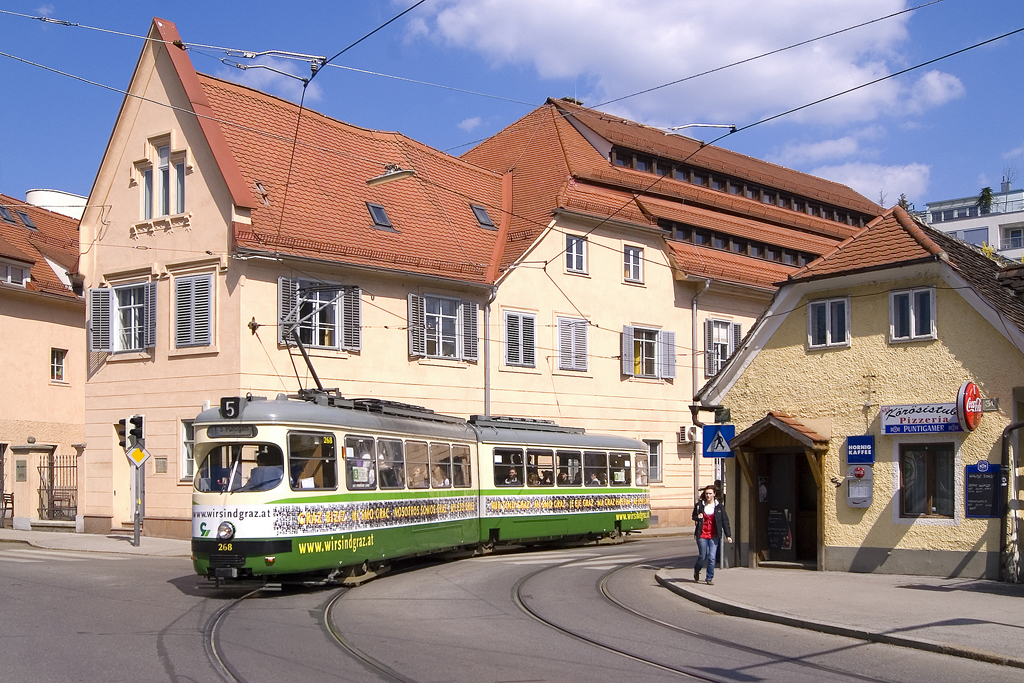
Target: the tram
pixel 317 487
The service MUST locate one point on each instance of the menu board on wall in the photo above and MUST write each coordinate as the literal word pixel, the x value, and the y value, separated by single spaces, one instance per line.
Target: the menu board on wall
pixel 779 535
pixel 983 490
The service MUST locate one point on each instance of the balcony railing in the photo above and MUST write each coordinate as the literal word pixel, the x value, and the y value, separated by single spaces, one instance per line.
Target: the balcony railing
pixel 1011 243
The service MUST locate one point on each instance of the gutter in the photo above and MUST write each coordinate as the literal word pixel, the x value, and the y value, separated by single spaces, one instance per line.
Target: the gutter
pixel 693 356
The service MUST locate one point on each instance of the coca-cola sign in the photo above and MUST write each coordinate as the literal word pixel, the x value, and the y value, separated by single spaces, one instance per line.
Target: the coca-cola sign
pixel 968 406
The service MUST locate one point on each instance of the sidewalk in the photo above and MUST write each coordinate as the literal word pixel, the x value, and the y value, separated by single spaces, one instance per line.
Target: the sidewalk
pixel 97 543
pixel 972 618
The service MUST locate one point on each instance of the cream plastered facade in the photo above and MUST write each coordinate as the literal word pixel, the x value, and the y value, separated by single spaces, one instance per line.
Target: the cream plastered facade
pixel 839 392
pixel 169 386
pixel 602 398
pixel 39 416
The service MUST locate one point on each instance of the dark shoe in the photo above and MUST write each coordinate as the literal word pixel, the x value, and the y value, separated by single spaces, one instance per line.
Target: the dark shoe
pixel 710 582
pixel 696 575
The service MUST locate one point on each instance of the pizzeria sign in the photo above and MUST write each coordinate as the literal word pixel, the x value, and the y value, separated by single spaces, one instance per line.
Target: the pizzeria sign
pixel 926 418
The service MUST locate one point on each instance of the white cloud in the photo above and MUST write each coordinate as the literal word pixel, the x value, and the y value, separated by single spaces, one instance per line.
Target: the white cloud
pixel 469 124
pixel 270 80
pixel 934 89
pixel 45 11
pixel 814 152
pixel 872 179
pixel 622 47
pixel 1015 153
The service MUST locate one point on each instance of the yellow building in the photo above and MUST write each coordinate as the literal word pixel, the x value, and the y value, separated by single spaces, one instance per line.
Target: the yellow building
pixel 42 362
pixel 854 447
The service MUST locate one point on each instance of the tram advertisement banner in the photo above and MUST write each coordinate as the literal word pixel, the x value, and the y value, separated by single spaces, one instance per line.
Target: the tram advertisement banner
pixel 272 520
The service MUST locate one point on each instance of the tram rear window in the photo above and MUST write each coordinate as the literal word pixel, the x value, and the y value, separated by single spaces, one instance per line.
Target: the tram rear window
pixel 462 470
pixel 570 468
pixel 618 467
pixel 508 467
pixel 312 461
pixel 540 467
pixel 595 468
pixel 240 467
pixel 641 469
pixel 418 464
pixel 360 463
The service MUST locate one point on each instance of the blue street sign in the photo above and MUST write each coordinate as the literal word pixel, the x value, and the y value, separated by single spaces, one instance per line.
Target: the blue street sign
pixel 716 440
pixel 860 450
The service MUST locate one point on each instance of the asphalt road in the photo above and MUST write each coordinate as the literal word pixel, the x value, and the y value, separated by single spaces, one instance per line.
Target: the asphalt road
pixel 552 615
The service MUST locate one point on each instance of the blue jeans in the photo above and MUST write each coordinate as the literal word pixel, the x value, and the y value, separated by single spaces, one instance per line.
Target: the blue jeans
pixel 708 551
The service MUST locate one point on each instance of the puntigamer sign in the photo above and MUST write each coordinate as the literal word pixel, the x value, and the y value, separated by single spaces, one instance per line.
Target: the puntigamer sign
pixel 924 418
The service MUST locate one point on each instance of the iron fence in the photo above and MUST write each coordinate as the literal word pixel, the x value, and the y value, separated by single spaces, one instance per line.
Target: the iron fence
pixel 58 487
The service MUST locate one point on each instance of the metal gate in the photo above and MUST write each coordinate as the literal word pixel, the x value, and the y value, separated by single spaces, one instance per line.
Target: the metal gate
pixel 58 487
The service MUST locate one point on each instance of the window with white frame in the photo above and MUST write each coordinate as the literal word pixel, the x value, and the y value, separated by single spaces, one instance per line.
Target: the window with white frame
pixel 443 327
pixel 572 344
pixel 163 181
pixel 13 275
pixel 576 254
pixel 648 353
pixel 633 264
pixel 828 322
pixel 927 486
pixel 57 358
pixel 721 338
pixel 653 459
pixel 326 315
pixel 912 314
pixel 193 310
pixel 188 440
pixel 122 318
pixel 520 339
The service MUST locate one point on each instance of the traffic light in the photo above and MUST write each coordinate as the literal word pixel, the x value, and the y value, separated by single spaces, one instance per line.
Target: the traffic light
pixel 137 432
pixel 122 433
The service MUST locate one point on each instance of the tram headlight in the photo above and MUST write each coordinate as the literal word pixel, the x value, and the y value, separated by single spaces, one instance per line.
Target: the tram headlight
pixel 226 531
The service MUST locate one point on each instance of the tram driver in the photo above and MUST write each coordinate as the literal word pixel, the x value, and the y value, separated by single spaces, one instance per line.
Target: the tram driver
pixel 268 472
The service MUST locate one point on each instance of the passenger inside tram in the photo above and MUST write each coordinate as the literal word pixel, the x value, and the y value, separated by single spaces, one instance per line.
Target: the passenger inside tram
pixel 513 477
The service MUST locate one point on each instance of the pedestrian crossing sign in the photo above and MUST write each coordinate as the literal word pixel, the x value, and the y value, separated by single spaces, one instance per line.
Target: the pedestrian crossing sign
pixel 716 440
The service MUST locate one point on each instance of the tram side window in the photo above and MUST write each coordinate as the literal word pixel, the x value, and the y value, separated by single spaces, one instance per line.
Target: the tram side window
pixel 440 466
pixel 508 467
pixel 417 464
pixel 360 463
pixel 392 464
pixel 241 467
pixel 312 461
pixel 540 468
pixel 618 466
pixel 462 469
pixel 641 469
pixel 570 468
pixel 595 468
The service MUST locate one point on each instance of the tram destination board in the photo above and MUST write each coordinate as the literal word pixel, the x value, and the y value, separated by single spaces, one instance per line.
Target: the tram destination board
pixel 983 490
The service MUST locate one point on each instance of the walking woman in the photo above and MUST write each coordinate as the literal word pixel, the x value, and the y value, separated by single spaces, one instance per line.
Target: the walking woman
pixel 710 523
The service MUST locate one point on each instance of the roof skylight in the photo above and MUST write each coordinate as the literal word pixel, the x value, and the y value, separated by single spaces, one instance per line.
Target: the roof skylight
pixel 380 217
pixel 482 217
pixel 27 220
pixel 5 213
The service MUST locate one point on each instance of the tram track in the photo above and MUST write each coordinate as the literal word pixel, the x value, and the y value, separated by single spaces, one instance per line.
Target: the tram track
pixel 211 640
pixel 603 589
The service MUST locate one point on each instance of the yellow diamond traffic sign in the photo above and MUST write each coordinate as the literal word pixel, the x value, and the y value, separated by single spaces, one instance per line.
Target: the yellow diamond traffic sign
pixel 137 456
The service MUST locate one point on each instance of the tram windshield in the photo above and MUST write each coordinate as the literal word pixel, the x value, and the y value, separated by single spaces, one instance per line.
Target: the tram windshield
pixel 240 467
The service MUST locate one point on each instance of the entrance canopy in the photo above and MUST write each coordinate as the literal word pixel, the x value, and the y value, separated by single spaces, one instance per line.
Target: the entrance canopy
pixel 808 437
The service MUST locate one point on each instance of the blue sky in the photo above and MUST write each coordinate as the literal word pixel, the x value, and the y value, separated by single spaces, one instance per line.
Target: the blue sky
pixel 942 131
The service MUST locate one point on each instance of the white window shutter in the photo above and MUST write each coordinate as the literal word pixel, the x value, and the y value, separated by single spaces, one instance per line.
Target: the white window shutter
pixel 470 333
pixel 580 356
pixel 529 327
pixel 352 318
pixel 101 302
pixel 666 354
pixel 417 321
pixel 513 339
pixel 628 362
pixel 149 315
pixel 564 344
pixel 287 308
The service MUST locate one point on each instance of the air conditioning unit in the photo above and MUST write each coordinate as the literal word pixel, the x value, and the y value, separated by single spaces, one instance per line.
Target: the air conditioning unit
pixel 689 434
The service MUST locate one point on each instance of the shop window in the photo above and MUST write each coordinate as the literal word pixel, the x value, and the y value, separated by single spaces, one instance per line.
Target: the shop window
pixel 912 314
pixel 926 480
pixel 828 323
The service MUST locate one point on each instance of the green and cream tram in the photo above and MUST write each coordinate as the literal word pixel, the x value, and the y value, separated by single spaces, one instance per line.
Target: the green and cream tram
pixel 324 487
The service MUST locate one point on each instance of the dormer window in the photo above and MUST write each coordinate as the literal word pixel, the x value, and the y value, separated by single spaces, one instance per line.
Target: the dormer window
pixel 13 275
pixel 483 218
pixel 380 217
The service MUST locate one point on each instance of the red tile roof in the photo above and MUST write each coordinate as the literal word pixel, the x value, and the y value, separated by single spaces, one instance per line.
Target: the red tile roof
pixel 690 259
pixel 55 237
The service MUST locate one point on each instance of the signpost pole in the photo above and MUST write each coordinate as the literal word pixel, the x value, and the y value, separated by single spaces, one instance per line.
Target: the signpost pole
pixel 139 479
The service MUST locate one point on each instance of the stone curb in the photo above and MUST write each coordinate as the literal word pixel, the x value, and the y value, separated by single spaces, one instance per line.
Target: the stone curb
pixel 735 609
